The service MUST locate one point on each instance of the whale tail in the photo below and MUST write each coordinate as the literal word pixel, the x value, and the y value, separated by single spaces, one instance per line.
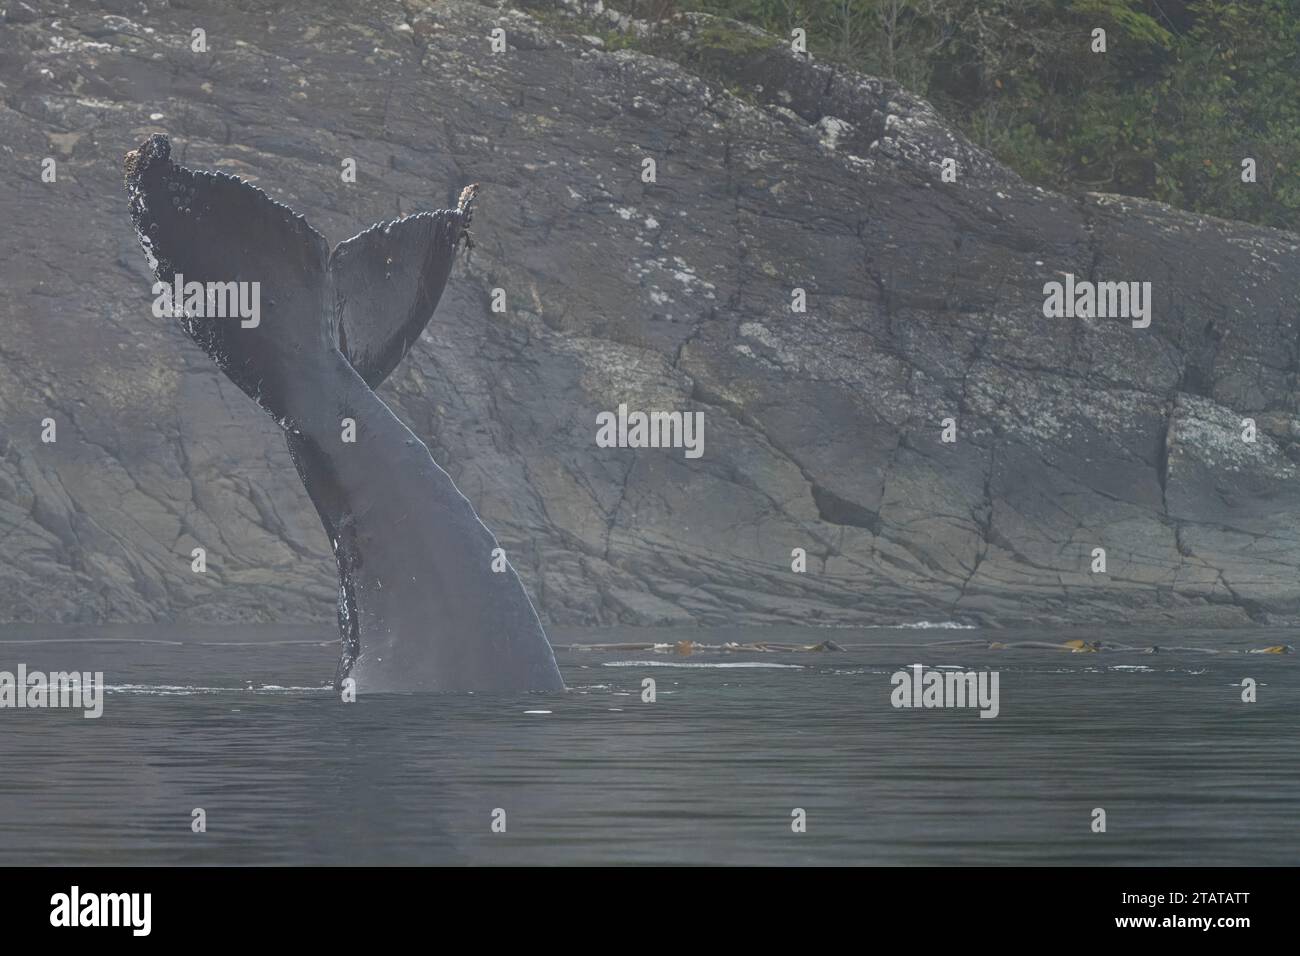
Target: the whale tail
pixel 426 599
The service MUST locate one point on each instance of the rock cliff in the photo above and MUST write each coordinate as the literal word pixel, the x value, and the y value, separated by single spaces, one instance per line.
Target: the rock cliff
pixel 823 429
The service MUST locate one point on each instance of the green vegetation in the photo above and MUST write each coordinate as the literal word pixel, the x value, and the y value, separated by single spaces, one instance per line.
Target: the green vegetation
pixel 1185 91
pixel 721 37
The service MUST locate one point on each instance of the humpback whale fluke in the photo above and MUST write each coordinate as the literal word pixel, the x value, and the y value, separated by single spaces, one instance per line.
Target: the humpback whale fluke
pixel 420 606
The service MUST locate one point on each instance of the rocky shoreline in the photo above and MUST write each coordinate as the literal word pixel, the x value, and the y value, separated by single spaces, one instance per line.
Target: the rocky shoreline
pixel 824 429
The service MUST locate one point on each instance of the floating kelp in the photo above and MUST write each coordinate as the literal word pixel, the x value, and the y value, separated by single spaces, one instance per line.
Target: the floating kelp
pixel 1074 646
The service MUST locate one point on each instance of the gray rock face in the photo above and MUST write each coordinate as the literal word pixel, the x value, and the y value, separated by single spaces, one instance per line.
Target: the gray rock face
pixel 822 429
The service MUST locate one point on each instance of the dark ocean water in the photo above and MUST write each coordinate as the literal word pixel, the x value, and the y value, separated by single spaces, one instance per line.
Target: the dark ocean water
pixel 709 773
